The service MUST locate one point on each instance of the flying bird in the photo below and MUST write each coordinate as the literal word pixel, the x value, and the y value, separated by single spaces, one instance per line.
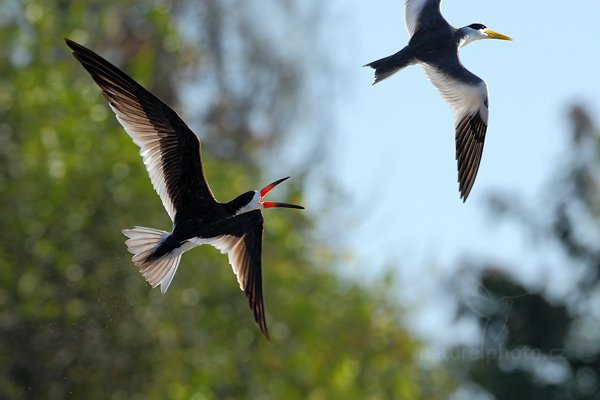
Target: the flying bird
pixel 434 44
pixel 171 153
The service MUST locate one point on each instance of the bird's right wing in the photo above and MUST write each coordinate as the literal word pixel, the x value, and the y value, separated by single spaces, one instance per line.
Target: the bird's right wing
pixel 468 96
pixel 171 151
pixel 243 245
pixel 417 11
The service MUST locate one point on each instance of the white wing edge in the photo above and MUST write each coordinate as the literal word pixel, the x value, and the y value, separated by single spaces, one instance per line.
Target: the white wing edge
pixel 231 245
pixel 464 99
pixel 412 11
pixel 149 144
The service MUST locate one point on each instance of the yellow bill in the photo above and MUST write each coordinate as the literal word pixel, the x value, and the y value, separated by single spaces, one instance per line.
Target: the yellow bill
pixel 495 35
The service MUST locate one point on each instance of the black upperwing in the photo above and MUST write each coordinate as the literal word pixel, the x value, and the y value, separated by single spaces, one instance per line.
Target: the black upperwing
pixel 170 149
pixel 424 17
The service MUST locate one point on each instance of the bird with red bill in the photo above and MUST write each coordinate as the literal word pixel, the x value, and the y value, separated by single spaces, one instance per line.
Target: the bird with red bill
pixel 171 153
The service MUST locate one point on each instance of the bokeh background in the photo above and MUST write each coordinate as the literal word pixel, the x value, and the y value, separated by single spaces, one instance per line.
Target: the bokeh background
pixel 387 286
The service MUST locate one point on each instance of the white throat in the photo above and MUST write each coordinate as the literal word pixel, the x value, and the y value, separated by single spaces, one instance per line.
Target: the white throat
pixel 253 205
pixel 470 36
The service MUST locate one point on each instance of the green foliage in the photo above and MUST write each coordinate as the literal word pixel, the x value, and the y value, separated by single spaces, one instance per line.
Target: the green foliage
pixel 77 319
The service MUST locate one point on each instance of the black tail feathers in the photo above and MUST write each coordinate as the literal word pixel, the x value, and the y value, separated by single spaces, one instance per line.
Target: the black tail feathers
pixel 388 66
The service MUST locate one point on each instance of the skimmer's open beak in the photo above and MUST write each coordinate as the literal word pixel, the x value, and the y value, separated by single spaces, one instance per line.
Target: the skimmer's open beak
pixel 274 204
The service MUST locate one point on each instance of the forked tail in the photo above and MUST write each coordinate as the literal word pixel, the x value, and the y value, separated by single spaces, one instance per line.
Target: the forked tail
pixel 388 66
pixel 157 271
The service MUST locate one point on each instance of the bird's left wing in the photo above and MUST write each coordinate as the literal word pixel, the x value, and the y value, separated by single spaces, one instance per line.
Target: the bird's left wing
pixel 468 96
pixel 171 151
pixel 243 245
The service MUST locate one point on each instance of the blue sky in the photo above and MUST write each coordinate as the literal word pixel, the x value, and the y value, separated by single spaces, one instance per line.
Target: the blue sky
pixel 394 151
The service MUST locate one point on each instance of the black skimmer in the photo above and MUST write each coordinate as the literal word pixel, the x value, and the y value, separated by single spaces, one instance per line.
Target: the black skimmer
pixel 434 44
pixel 171 153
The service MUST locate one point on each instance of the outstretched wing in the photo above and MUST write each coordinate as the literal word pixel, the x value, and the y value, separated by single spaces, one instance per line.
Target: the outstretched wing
pixel 420 14
pixel 243 245
pixel 468 96
pixel 171 151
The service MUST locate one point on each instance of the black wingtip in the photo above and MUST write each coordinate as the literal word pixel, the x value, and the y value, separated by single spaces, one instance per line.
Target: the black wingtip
pixel 464 189
pixel 73 45
pixel 265 333
pixel 261 321
pixel 77 49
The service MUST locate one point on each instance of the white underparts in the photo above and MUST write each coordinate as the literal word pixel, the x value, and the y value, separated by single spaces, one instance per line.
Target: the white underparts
pixel 143 241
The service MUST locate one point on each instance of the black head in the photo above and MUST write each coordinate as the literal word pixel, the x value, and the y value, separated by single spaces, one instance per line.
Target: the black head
pixel 477 27
pixel 478 31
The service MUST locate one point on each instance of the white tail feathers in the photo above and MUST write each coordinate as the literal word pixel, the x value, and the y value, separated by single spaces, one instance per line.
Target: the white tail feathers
pixel 141 243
